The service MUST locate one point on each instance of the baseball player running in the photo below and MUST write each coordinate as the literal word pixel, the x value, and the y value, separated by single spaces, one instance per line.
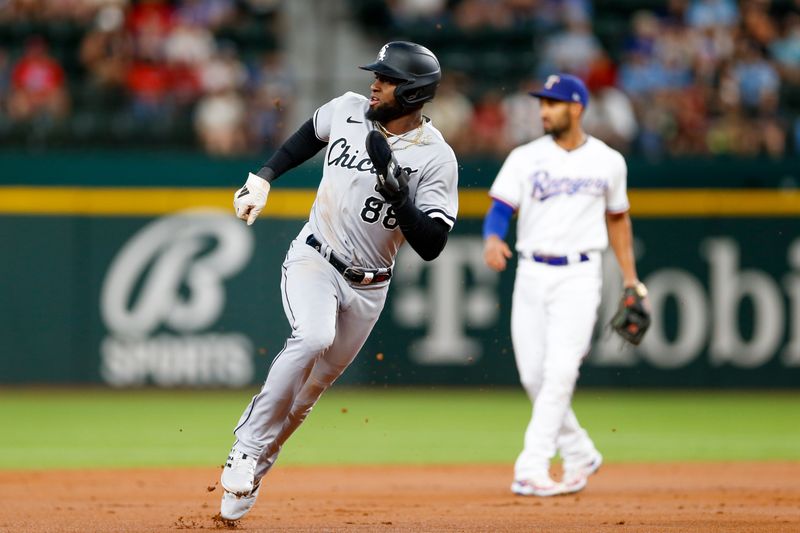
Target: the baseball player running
pixel 388 177
pixel 569 191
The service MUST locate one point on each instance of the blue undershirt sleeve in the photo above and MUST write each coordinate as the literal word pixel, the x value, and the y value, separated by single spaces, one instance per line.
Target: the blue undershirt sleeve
pixel 497 219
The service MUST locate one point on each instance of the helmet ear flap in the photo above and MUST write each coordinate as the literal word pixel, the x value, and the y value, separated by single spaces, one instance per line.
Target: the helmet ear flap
pixel 411 96
pixel 415 65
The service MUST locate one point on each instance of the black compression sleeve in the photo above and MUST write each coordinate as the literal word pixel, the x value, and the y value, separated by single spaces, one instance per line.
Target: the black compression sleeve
pixel 426 235
pixel 300 147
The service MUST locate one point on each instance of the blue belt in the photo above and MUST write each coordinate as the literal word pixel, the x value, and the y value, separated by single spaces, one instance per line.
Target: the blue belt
pixel 559 260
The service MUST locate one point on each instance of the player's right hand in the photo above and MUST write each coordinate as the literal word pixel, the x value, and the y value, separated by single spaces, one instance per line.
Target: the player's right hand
pixel 496 253
pixel 251 199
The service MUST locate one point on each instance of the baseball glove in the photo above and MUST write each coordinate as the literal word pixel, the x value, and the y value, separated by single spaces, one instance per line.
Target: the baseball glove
pixel 633 316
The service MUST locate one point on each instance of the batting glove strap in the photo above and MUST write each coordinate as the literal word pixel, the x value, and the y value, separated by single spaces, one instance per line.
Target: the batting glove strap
pixel 251 199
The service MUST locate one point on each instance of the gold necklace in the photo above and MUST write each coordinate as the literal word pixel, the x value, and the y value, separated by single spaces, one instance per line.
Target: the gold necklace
pixel 393 144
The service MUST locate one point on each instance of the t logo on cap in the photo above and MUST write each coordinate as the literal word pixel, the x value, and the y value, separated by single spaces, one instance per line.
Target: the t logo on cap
pixel 564 88
pixel 551 80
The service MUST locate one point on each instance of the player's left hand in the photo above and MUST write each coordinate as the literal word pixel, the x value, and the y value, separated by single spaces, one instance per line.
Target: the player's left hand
pixel 392 178
pixel 251 199
pixel 496 253
pixel 633 316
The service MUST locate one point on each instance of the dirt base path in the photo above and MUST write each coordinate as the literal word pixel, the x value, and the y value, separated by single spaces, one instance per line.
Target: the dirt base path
pixel 738 497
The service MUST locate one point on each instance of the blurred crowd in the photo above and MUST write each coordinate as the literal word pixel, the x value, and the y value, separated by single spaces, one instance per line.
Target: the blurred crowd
pixel 687 77
pixel 143 71
pixel 692 77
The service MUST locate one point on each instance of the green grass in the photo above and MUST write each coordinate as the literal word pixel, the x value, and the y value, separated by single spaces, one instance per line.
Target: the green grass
pixel 47 428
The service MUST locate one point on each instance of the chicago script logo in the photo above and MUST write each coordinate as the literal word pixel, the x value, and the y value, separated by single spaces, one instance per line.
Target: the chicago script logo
pixel 342 154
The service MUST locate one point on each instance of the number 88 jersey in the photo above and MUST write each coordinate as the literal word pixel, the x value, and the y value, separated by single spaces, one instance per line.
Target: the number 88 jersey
pixel 348 213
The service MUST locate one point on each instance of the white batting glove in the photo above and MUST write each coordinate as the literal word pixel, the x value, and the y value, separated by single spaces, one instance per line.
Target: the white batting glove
pixel 251 199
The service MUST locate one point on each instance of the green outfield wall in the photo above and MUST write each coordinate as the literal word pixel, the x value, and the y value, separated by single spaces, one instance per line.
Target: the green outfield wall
pixel 105 280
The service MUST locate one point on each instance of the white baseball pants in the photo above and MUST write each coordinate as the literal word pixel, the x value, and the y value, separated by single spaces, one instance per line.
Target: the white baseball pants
pixel 553 314
pixel 330 322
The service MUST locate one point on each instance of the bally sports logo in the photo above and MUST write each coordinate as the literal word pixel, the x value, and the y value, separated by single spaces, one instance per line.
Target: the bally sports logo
pixel 163 292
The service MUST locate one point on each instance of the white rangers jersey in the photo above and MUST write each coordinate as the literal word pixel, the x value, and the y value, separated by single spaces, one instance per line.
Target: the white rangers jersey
pixel 348 213
pixel 561 195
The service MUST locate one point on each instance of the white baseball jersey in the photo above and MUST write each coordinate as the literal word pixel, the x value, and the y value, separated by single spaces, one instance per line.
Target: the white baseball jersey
pixel 349 214
pixel 561 195
pixel 331 318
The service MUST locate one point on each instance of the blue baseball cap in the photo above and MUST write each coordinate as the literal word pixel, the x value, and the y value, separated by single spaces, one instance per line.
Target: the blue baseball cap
pixel 565 88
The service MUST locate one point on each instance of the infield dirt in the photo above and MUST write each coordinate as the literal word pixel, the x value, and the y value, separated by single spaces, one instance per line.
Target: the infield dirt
pixel 741 497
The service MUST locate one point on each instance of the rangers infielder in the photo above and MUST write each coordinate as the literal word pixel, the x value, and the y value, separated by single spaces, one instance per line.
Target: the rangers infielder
pixel 569 191
pixel 388 177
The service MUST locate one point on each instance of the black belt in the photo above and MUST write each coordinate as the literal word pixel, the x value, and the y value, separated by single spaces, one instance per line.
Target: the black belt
pixel 363 276
pixel 560 260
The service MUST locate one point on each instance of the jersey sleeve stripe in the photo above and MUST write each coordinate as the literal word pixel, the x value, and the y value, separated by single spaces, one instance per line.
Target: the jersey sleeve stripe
pixel 440 214
pixel 315 127
pixel 506 202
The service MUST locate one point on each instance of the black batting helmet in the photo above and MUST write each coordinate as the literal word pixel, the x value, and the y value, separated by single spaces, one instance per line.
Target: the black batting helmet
pixel 413 64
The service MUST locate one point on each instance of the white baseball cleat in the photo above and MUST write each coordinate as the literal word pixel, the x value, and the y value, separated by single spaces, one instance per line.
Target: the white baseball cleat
pixel 239 473
pixel 234 507
pixel 576 477
pixel 537 485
